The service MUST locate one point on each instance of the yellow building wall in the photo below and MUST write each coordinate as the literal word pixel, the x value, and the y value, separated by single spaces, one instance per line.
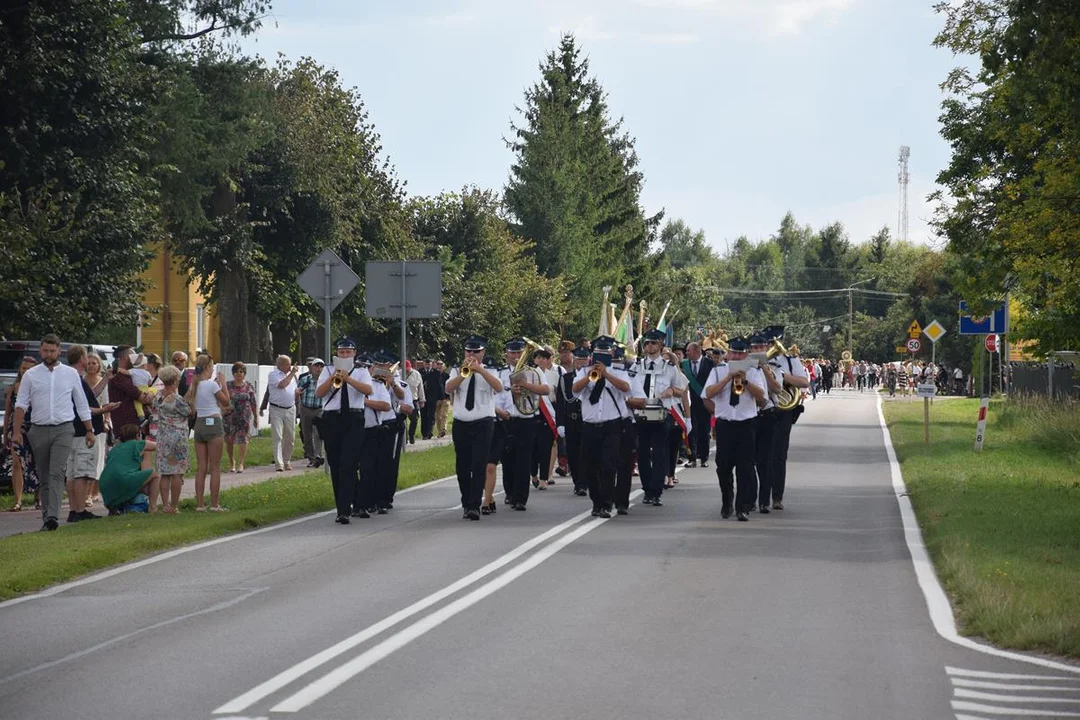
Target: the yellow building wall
pixel 176 303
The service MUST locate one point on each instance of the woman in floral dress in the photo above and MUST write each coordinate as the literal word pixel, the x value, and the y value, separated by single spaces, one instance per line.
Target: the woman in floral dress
pixel 171 413
pixel 239 420
pixel 18 461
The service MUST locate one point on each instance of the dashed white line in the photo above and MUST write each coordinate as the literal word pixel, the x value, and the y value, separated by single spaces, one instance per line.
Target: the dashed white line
pixel 993 710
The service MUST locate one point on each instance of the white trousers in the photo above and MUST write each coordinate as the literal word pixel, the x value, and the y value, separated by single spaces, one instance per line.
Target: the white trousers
pixel 283 432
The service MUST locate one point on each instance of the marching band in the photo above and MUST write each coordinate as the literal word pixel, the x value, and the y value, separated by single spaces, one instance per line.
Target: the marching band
pixel 607 409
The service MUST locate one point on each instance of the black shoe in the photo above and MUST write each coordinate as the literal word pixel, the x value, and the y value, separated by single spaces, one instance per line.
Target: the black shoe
pixel 725 512
pixel 318 462
pixel 372 510
pixel 361 513
pixel 704 463
pixel 344 520
pixel 519 506
pixel 622 510
pixel 487 509
pixel 743 516
pixel 596 512
pixel 73 517
pixel 560 472
pixel 389 506
pixel 690 464
pixel 472 514
pixel 550 481
pixel 508 501
pixel 581 492
pixel 50 524
pixel 602 512
pixel 87 515
pixel 647 500
pixel 656 502
pixel 382 511
pixel 764 509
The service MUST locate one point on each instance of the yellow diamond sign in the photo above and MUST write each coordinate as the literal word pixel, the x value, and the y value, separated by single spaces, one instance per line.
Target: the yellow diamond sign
pixel 934 331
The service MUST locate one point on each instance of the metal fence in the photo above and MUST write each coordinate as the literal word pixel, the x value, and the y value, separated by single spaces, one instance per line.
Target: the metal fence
pixel 1029 378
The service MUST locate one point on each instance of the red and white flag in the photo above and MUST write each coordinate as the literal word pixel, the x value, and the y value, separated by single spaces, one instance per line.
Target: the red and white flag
pixel 681 420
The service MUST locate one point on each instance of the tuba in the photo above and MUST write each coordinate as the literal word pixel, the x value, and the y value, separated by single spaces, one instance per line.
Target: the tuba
pixel 526 403
pixel 789 396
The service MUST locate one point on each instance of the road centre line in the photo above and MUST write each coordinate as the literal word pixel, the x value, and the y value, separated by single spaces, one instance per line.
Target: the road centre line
pixel 328 683
pixel 1011 711
pixel 113 572
pixel 297 671
pixel 937 603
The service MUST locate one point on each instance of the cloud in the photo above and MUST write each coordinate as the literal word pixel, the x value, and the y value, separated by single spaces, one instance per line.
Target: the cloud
pixel 791 17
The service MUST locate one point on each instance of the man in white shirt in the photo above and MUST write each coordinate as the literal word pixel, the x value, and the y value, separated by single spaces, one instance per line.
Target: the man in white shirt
pixel 654 388
pixel 526 387
pixel 342 424
pixel 54 394
pixel 473 397
pixel 793 373
pixel 281 396
pixel 736 415
pixel 602 389
pixel 380 438
pixel 546 429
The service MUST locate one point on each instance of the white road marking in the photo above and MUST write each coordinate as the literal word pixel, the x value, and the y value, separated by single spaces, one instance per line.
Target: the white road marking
pixel 357 665
pixel 977 695
pixel 128 636
pixel 961 682
pixel 958 717
pixel 994 710
pixel 297 671
pixel 1004 676
pixel 937 602
pixel 113 572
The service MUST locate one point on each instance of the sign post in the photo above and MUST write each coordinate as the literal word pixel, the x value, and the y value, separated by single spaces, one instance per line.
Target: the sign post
pixel 328 280
pixel 980 429
pixel 411 288
pixel 926 391
pixel 934 331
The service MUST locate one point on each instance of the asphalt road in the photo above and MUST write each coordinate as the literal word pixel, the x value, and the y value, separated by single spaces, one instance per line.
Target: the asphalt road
pixel 671 612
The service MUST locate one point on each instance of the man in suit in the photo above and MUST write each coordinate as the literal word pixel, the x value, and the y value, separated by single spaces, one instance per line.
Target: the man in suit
pixel 697 369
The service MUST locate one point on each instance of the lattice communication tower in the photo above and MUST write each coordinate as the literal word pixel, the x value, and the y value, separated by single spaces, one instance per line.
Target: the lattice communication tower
pixel 903 177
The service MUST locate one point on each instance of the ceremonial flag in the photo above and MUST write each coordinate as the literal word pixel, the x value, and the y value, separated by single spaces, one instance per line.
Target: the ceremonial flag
pixel 681 420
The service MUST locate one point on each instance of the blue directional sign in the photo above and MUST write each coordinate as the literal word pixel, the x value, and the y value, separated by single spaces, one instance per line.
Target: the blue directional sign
pixel 996 322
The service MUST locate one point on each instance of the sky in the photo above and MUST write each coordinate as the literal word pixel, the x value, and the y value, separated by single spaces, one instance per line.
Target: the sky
pixel 742 110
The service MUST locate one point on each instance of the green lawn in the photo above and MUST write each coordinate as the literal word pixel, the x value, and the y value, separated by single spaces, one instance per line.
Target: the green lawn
pixel 36 560
pixel 1003 525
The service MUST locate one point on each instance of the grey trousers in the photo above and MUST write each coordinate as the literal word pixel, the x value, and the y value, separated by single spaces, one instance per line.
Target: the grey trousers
pixel 312 439
pixel 51 445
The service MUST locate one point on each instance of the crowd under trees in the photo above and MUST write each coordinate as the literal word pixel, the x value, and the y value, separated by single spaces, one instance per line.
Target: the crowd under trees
pixel 130 127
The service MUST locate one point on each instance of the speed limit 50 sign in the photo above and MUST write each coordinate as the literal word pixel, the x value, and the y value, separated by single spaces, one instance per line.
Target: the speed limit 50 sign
pixel 913 345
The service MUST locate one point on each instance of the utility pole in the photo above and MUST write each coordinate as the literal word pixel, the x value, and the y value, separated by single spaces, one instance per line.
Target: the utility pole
pixel 851 309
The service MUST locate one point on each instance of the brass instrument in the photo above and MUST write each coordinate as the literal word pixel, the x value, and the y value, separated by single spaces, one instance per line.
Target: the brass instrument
pixel 342 367
pixel 738 385
pixel 525 402
pixel 465 371
pixel 789 396
pixel 594 375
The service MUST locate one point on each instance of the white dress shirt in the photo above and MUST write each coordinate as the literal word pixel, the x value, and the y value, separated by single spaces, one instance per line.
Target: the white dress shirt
pixel 483 397
pixel 48 395
pixel 612 402
pixel 664 376
pixel 747 408
pixel 282 397
pixel 373 418
pixel 356 398
pixel 532 376
pixel 416 384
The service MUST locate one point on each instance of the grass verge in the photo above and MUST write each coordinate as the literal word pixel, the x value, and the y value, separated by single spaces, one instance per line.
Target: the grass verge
pixel 1003 525
pixel 36 560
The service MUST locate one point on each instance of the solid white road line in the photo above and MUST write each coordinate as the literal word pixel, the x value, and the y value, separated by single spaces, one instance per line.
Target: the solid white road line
pixel 113 572
pixel 357 665
pixel 977 695
pixel 994 710
pixel 297 671
pixel 937 602
pixel 961 682
pixel 128 636
pixel 1004 676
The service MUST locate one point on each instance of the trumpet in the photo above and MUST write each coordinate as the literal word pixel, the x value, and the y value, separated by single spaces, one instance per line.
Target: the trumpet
pixel 738 385
pixel 594 375
pixel 338 381
pixel 465 371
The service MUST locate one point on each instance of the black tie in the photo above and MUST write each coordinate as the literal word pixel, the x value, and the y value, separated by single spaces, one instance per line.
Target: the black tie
pixel 345 397
pixel 470 393
pixel 648 379
pixel 695 368
pixel 598 389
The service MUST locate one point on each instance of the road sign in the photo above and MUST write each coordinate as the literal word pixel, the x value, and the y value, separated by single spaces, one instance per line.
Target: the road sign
pixel 328 280
pixel 914 330
pixel 928 390
pixel 901 349
pixel 391 287
pixel 995 322
pixel 934 331
pixel 913 345
pixel 991 343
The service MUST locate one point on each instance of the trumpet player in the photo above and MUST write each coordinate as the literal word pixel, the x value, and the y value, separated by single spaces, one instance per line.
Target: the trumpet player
pixel 474 419
pixel 602 389
pixel 344 388
pixel 737 392
pixel 526 386
pixel 568 411
pixel 383 422
pixel 765 425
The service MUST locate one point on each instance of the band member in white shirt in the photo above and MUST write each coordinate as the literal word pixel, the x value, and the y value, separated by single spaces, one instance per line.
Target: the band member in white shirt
pixel 521 427
pixel 544 446
pixel 765 426
pixel 737 394
pixel 568 410
pixel 792 372
pixel 602 389
pixel 473 396
pixel 344 388
pixel 380 438
pixel 655 390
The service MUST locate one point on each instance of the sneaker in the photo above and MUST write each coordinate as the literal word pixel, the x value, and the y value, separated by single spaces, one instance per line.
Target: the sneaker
pixel 743 516
pixel 647 500
pixel 704 463
pixel 50 524
pixel 318 462
pixel 690 464
pixel 602 513
pixel 778 505
pixel 360 513
pixel 656 502
pixel 73 517
pixel 382 511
